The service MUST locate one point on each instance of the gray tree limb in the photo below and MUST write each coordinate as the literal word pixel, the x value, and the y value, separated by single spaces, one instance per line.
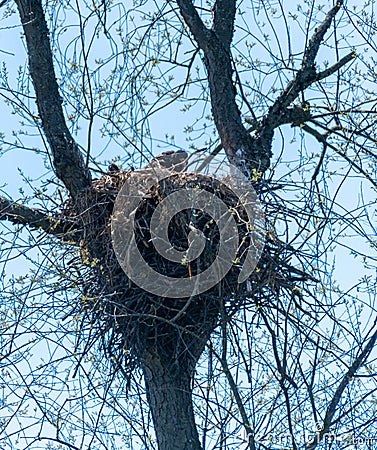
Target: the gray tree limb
pixel 246 151
pixel 67 160
pixel 307 73
pixel 242 150
pixel 37 219
pixel 224 12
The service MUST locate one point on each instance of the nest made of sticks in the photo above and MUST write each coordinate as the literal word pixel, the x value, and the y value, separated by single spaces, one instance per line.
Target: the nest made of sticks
pixel 139 320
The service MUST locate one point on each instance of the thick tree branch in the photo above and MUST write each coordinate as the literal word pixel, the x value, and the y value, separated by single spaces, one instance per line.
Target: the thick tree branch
pixel 307 74
pixel 330 412
pixel 36 219
pixel 242 150
pixel 251 152
pixel 296 114
pixel 319 33
pixel 68 162
pixel 201 33
pixel 224 12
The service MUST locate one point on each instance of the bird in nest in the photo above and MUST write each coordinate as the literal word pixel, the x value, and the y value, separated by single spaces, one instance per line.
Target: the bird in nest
pixel 113 168
pixel 176 161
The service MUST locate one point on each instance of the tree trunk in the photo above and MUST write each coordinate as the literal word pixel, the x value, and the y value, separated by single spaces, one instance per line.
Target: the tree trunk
pixel 170 398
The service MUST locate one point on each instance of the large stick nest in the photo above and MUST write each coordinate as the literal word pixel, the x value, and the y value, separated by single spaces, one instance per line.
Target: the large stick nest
pixel 142 321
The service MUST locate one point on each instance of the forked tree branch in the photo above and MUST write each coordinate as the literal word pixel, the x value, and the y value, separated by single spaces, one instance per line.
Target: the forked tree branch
pixel 322 138
pixel 283 114
pixel 251 152
pixel 34 218
pixel 67 160
pixel 307 73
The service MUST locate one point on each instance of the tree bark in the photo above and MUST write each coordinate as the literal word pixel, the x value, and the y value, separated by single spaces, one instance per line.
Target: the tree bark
pixel 20 214
pixel 169 396
pixel 242 150
pixel 69 165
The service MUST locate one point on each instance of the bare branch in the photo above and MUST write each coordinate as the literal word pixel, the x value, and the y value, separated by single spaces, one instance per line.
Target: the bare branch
pixel 319 33
pixel 307 74
pixel 36 219
pixel 327 422
pixel 68 162
pixel 342 62
pixel 190 15
pixel 322 138
pixel 234 388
